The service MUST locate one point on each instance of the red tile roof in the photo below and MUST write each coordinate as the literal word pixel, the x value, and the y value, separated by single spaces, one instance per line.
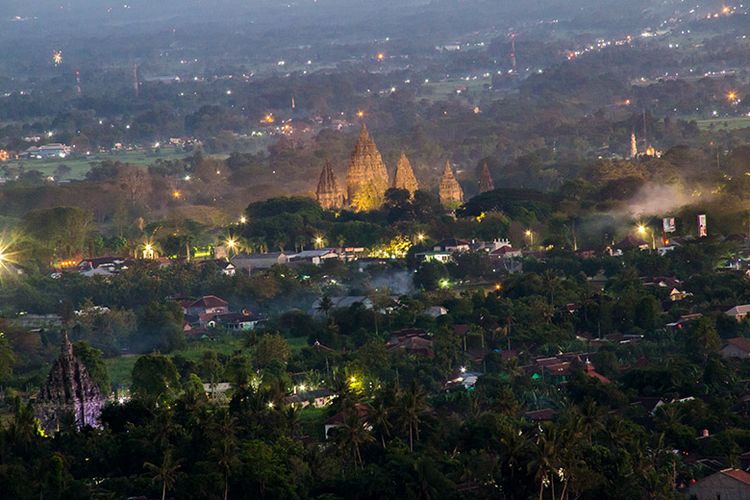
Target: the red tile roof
pixel 740 343
pixel 739 475
pixel 210 301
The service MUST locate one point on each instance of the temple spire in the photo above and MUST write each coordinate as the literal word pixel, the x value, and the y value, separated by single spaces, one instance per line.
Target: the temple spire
pixel 451 194
pixel 328 194
pixel 367 176
pixel 485 180
pixel 405 178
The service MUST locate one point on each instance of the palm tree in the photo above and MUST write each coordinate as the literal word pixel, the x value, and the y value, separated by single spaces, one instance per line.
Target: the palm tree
pixel 353 434
pixel 226 429
pixel 543 465
pixel 325 305
pixel 412 405
pixel 166 473
pixel 551 282
pixel 381 412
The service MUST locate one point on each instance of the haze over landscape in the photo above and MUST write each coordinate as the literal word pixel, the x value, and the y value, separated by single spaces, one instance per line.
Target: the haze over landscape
pixel 374 249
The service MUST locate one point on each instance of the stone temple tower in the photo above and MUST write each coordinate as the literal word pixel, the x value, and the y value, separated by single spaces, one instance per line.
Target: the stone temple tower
pixel 451 194
pixel 329 194
pixel 405 178
pixel 367 176
pixel 69 391
pixel 485 180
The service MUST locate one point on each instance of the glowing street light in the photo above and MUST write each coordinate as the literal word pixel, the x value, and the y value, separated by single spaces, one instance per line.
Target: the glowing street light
pixel 360 114
pixel 176 194
pixel 732 96
pixel 530 235
pixel 380 56
pixel 643 230
pixel 149 252
pixel 421 237
pixel 243 220
pixel 319 241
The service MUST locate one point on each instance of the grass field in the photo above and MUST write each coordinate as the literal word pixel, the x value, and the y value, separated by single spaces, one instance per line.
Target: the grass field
pixel 441 90
pixel 735 123
pixel 121 367
pixel 80 166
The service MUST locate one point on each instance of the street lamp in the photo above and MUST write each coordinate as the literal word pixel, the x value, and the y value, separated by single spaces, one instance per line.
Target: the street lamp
pixel 530 235
pixel 643 230
pixel 319 242
pixel 243 220
pixel 421 237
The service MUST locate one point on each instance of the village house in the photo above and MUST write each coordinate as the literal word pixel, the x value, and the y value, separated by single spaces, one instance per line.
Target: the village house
pixel 102 266
pixel 316 398
pixel 436 311
pixel 739 312
pixel 412 341
pixel 452 245
pixel 338 420
pixel 243 321
pixel 316 257
pixel 738 347
pixel 442 257
pixel 259 261
pixel 682 321
pixel 727 484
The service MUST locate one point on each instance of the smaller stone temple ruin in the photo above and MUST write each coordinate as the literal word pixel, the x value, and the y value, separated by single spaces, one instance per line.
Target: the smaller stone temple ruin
pixel 70 392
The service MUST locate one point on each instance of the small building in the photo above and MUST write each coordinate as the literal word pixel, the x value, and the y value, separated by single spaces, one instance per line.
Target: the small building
pixel 316 398
pixel 362 411
pixel 442 257
pixel 452 245
pixel 739 312
pixel 677 295
pixel 227 268
pixel 727 484
pixel 102 266
pixel 238 322
pixel 208 305
pixel 53 150
pixel 259 261
pixel 412 341
pixel 462 379
pixel 738 347
pixel 316 257
pixel 436 311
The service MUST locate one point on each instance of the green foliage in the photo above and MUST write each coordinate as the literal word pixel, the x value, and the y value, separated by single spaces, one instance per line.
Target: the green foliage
pixel 95 366
pixel 155 379
pixel 271 349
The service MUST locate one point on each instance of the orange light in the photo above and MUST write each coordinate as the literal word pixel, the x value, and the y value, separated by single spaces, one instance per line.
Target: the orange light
pixel 269 119
pixel 726 10
pixel 380 56
pixel 176 195
pixel 360 114
pixel 732 96
pixel 627 102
